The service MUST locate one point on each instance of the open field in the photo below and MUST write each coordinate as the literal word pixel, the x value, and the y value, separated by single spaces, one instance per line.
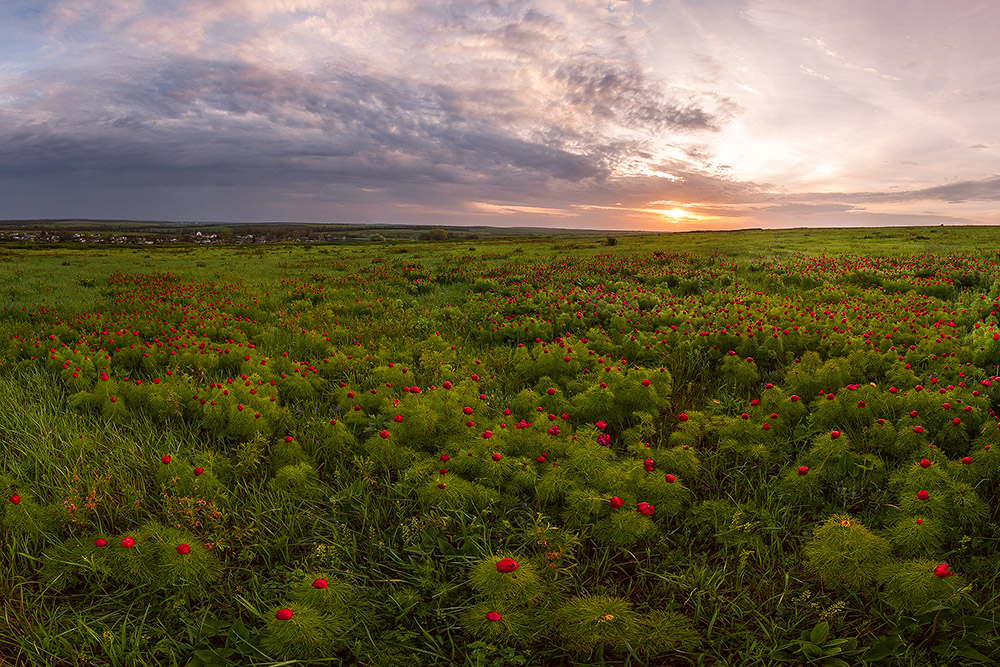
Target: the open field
pixel 745 448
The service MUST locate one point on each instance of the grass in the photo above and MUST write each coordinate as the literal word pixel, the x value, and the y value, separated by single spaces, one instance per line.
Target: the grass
pixel 338 503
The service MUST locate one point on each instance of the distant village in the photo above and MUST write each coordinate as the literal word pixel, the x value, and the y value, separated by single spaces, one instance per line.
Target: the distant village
pixel 226 236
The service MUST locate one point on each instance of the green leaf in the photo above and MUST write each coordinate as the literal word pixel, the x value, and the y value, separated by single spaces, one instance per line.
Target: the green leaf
pixel 238 631
pixel 811 650
pixel 820 633
pixel 882 649
pixel 778 654
pixel 836 662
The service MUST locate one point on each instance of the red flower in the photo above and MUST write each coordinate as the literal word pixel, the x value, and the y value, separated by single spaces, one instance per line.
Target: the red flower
pixel 288 438
pixel 670 478
pixel 645 509
pixel 966 460
pixel 442 485
pixel 283 614
pixel 165 460
pixel 834 435
pixel 443 471
pixel 446 384
pixel 913 414
pixel 384 434
pixel 803 470
pixel 923 495
pixel 198 471
pixel 398 418
pixel 183 549
pixel 766 426
pixel 493 617
pixel 496 456
pixel 551 391
pixel 127 542
pixel 467 410
pixel 319 583
pixel 645 383
pixel 956 421
pixel 100 543
pixel 925 463
pixel 942 571
pixel 445 457
pixel 682 417
pixel 487 435
pixel 918 429
pixel 794 398
pixel 507 565
pixel 616 502
pixel 648 464
pixel 15 499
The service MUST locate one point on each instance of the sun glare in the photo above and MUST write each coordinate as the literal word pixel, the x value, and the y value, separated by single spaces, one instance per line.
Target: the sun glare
pixel 677 213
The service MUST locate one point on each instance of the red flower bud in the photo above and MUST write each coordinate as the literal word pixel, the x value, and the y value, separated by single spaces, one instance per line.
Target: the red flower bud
pixel 100 543
pixel 198 471
pixel 616 502
pixel 165 460
pixel 283 614
pixel 670 478
pixel 645 509
pixel 496 456
pixel 183 549
pixel 319 583
pixel 923 495
pixel 493 617
pixel 925 463
pixel 507 565
pixel 803 470
pixel 127 542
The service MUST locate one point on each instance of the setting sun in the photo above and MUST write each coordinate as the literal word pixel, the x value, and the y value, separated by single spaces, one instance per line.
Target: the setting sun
pixel 677 213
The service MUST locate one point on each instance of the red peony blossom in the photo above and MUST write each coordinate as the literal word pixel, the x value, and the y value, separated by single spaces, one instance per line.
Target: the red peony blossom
pixel 645 509
pixel 283 614
pixel 956 421
pixel 496 456
pixel 803 470
pixel 648 464
pixel 834 435
pixel 670 479
pixel 766 426
pixel 925 463
pixel 443 471
pixel 183 549
pixel 493 617
pixel 100 543
pixel 616 502
pixel 445 457
pixel 942 570
pixel 487 435
pixel 918 429
pixel 319 583
pixel 384 434
pixel 923 495
pixel 15 499
pixel 442 485
pixel 682 417
pixel 165 460
pixel 288 438
pixel 645 383
pixel 198 471
pixel 966 460
pixel 507 565
pixel 127 542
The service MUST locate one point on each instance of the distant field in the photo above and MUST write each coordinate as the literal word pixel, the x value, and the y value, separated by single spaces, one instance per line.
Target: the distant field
pixel 743 448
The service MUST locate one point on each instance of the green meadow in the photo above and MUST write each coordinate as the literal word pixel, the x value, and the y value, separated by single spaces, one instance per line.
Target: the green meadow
pixel 733 448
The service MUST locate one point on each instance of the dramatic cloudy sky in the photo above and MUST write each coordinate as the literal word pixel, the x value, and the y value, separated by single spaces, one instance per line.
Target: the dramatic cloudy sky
pixel 651 114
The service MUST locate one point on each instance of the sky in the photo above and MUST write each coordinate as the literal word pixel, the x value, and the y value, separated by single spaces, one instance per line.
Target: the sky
pixel 662 115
